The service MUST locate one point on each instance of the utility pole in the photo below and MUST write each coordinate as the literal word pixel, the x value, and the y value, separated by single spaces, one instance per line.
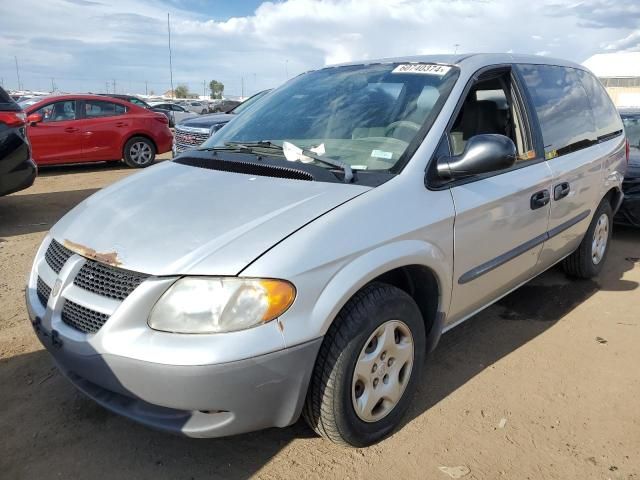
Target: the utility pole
pixel 145 89
pixel 204 88
pixel 114 86
pixel 18 73
pixel 107 85
pixel 170 65
pixel 456 45
pixel 53 85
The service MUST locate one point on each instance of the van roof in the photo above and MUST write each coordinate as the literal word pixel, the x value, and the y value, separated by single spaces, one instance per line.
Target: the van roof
pixel 462 59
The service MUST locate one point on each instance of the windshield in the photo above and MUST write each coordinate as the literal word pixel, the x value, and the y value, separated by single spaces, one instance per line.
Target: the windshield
pixel 365 116
pixel 632 129
pixel 29 101
pixel 248 102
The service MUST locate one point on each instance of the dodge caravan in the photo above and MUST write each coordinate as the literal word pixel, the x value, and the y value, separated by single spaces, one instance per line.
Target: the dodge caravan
pixel 308 256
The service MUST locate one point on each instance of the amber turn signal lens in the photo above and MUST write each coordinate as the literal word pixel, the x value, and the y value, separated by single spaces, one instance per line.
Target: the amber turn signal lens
pixel 280 295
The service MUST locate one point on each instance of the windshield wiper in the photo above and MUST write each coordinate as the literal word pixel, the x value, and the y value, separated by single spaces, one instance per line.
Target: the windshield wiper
pixel 332 162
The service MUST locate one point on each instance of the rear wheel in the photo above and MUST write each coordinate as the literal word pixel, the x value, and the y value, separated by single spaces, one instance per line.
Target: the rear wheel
pixel 367 367
pixel 139 152
pixel 587 261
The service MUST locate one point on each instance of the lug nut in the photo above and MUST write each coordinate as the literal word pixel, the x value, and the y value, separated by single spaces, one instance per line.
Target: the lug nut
pixel 383 355
pixel 374 368
pixel 390 362
pixel 385 379
pixel 375 382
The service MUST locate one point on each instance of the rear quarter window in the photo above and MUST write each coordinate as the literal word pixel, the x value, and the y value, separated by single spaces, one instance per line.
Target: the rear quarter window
pixel 562 107
pixel 608 123
pixel 99 108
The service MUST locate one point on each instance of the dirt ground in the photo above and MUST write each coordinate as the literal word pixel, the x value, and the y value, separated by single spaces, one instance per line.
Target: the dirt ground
pixel 543 385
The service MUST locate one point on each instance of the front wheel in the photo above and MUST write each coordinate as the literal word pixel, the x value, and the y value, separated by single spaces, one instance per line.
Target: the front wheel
pixel 139 152
pixel 367 368
pixel 587 261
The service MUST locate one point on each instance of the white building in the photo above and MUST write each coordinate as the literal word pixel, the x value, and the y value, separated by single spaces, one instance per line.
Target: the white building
pixel 620 74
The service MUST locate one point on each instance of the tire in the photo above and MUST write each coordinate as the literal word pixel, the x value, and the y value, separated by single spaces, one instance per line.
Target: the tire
pixel 587 261
pixel 139 152
pixel 337 387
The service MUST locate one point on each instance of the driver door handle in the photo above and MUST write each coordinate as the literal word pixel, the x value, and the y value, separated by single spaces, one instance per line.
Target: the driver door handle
pixel 71 130
pixel 540 199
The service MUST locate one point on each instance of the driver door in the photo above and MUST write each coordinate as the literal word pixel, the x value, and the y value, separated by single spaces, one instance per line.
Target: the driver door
pixel 58 137
pixel 501 217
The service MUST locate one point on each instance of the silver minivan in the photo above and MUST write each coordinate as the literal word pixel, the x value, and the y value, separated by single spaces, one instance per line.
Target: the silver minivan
pixel 307 258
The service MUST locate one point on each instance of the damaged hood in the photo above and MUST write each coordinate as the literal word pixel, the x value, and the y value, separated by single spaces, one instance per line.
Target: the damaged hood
pixel 178 219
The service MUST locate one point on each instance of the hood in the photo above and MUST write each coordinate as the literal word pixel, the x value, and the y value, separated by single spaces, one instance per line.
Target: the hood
pixel 178 219
pixel 207 121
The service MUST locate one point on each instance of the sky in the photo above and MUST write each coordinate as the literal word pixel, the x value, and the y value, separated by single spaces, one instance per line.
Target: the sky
pixel 249 45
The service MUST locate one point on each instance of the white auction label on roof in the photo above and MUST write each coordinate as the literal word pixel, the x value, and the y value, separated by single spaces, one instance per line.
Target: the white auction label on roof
pixel 423 68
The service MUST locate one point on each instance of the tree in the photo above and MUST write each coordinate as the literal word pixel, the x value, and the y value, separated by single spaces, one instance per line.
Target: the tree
pixel 181 91
pixel 216 88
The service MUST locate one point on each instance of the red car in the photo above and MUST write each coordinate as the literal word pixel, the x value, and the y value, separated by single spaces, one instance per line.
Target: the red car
pixel 92 128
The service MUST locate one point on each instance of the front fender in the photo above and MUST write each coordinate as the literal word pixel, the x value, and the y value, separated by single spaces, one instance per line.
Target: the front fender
pixel 325 290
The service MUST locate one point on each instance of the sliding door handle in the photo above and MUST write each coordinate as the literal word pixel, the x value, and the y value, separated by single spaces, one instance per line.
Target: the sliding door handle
pixel 561 190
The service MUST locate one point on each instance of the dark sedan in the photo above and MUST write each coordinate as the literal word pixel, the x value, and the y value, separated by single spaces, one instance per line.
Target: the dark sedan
pixel 17 168
pixel 629 213
pixel 191 133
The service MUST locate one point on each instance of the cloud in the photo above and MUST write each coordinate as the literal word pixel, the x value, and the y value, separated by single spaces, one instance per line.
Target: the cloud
pixel 629 43
pixel 85 44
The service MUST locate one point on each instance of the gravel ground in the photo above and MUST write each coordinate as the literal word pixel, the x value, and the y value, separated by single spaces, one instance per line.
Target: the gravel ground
pixel 544 384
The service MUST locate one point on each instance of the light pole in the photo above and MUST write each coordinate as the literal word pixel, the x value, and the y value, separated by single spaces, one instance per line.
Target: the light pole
pixel 170 66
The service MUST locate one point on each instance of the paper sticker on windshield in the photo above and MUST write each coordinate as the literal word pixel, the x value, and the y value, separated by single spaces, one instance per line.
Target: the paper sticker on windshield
pixel 422 68
pixel 381 154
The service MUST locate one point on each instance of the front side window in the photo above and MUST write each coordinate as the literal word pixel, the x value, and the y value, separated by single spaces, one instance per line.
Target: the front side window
pixel 365 116
pixel 491 107
pixel 58 111
pixel 562 107
pixel 99 108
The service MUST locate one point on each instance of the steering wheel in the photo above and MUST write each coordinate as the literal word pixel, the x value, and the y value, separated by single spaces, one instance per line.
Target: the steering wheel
pixel 400 124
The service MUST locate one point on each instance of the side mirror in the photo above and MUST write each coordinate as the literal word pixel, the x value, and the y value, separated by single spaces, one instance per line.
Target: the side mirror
pixel 482 154
pixel 34 118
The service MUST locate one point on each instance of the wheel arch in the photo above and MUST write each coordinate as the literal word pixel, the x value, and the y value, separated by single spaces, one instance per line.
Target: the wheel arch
pixel 416 267
pixel 614 196
pixel 138 134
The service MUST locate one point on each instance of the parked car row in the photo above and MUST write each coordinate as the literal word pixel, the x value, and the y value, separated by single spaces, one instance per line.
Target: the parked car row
pixel 192 132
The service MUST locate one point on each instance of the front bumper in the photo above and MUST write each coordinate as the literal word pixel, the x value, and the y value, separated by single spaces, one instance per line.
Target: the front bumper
pixel 196 401
pixel 195 385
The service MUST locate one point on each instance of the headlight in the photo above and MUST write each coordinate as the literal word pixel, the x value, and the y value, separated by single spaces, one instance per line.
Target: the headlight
pixel 216 305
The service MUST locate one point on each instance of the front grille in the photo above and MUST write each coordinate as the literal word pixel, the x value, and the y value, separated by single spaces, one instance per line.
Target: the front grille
pixel 108 281
pixel 57 256
pixel 44 291
pixel 81 318
pixel 186 139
